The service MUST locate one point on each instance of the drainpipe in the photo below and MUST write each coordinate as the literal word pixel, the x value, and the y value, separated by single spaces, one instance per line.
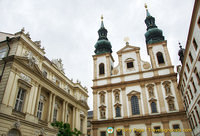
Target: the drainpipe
pixel 4 66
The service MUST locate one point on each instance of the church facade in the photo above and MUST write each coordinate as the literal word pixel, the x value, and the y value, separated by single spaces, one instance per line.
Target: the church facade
pixel 34 91
pixel 136 97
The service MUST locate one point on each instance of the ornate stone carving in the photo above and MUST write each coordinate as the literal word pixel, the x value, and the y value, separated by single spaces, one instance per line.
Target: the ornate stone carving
pixel 38 43
pixel 32 59
pixel 25 78
pixel 58 63
pixel 17 124
pixel 146 65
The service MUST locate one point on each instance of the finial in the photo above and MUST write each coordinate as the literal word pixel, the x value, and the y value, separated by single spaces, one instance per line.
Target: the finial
pixel 126 39
pixel 180 45
pixel 145 5
pixel 101 17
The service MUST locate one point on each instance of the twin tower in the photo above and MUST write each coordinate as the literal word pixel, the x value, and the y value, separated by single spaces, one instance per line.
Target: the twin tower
pixel 136 95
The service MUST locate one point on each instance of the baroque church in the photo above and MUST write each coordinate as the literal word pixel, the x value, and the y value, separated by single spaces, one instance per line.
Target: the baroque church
pixel 136 97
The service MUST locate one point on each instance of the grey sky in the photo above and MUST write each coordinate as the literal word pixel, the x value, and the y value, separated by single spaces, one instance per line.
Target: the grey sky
pixel 68 28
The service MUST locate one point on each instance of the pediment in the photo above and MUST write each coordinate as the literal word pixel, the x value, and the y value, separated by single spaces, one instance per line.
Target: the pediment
pixel 133 93
pixel 28 63
pixel 128 48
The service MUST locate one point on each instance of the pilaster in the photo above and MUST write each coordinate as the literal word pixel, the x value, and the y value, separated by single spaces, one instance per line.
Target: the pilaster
pixel 50 106
pixel 95 108
pixel 144 99
pixel 166 126
pixel 110 105
pixel 160 97
pixel 124 102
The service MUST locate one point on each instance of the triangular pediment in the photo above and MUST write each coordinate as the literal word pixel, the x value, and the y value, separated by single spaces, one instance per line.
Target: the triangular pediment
pixel 128 48
pixel 133 93
pixel 25 61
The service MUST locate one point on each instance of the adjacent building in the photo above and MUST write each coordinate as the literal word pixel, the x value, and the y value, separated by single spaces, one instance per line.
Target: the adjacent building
pixel 34 91
pixel 89 124
pixel 136 97
pixel 189 83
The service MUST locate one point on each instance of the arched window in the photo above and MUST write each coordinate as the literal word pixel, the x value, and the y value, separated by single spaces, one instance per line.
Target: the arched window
pixel 135 105
pixel 153 107
pixel 118 114
pixel 160 58
pixel 101 69
pixel 14 132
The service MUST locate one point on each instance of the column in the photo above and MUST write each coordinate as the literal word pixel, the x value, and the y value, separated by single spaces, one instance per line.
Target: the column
pixel 63 111
pixel 144 98
pixel 160 97
pixel 178 95
pixel 139 63
pixel 52 107
pixel 110 106
pixel 66 111
pixel 166 126
pixel 49 105
pixel 74 118
pixel 95 108
pixel 37 100
pixel 148 129
pixel 124 102
pixel 77 119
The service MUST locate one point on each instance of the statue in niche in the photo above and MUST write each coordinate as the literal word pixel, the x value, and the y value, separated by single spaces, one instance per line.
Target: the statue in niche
pixel 151 94
pixel 103 113
pixel 117 97
pixel 102 98
pixel 168 90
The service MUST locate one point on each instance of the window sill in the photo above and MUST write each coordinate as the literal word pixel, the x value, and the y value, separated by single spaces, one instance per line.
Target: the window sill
pixel 18 114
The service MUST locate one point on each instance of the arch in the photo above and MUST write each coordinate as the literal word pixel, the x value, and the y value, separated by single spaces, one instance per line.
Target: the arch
pixel 160 58
pixel 118 111
pixel 101 69
pixel 153 107
pixel 135 105
pixel 14 132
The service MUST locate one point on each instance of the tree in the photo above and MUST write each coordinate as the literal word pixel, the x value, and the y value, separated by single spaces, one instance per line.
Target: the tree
pixel 64 129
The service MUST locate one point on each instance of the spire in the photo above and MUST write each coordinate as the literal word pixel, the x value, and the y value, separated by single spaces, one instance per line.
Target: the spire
pixel 103 45
pixel 153 34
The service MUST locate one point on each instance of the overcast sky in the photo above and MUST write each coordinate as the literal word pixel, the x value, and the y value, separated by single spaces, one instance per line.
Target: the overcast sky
pixel 68 28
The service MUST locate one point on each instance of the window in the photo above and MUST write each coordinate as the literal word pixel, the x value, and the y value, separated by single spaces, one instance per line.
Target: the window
pixel 135 105
pixel 103 133
pixel 55 112
pixel 119 133
pixel 195 89
pixel 88 124
pixel 157 129
pixel 191 122
pixel 188 69
pixel 14 132
pixel 185 76
pixel 197 113
pixel 137 133
pixel 81 125
pixel 195 44
pixel 44 73
pixel 40 107
pixel 176 126
pixel 160 58
pixel 101 69
pixel 194 118
pixel 191 94
pixel 153 107
pixel 118 113
pixel 20 100
pixel 3 53
pixel 190 56
pixel 129 64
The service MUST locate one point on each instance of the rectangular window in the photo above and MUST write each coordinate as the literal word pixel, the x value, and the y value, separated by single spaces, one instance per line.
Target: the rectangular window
pixel 20 100
pixel 103 133
pixel 191 122
pixel 194 119
pixel 176 126
pixel 195 44
pixel 40 107
pixel 188 69
pixel 129 64
pixel 157 129
pixel 81 125
pixel 185 76
pixel 195 89
pixel 188 97
pixel 3 53
pixel 190 56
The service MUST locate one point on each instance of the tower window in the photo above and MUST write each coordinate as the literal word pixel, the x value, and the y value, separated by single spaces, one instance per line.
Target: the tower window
pixel 129 64
pixel 101 69
pixel 160 58
pixel 190 56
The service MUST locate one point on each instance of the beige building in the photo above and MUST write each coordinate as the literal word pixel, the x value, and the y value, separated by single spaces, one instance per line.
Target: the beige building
pixel 189 83
pixel 137 98
pixel 34 91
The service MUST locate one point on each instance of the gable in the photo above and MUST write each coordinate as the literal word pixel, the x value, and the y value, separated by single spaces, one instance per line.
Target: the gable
pixel 128 48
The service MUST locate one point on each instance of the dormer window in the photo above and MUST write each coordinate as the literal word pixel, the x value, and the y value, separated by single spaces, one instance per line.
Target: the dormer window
pixel 129 63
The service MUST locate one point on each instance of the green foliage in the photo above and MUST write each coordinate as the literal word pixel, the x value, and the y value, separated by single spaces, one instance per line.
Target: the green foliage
pixel 64 129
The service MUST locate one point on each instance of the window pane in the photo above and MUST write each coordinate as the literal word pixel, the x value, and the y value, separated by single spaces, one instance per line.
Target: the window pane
pixel 135 105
